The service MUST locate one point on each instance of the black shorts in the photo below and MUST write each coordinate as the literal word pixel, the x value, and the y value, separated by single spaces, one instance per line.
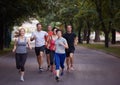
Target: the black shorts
pixel 39 49
pixel 68 51
pixel 47 51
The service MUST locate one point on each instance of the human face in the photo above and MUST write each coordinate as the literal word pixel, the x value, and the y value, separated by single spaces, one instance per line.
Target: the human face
pixel 49 28
pixel 59 34
pixel 69 28
pixel 54 31
pixel 22 32
pixel 39 27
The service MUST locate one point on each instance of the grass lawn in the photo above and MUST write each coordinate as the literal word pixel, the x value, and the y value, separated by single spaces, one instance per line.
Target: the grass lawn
pixel 114 50
pixel 7 50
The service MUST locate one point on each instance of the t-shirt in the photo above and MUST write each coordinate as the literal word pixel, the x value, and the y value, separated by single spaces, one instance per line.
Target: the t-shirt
pixel 70 37
pixel 39 38
pixel 59 47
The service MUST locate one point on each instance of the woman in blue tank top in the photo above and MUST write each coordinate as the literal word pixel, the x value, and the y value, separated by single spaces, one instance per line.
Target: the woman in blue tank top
pixel 20 50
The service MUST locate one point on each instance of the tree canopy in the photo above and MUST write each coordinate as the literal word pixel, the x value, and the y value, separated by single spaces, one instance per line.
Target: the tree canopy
pixel 83 15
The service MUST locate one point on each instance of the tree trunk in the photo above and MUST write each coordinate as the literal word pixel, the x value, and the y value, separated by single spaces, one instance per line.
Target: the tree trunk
pixel 98 4
pixel 106 39
pixel 7 37
pixel 113 36
pixel 85 35
pixel 79 36
pixel 88 33
pixel 1 37
pixel 97 36
pixel 113 31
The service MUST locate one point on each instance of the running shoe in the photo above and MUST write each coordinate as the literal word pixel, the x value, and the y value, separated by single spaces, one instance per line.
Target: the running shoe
pixel 41 70
pixel 57 78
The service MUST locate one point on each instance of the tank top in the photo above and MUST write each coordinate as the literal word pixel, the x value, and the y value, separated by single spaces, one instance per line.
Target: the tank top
pixel 21 46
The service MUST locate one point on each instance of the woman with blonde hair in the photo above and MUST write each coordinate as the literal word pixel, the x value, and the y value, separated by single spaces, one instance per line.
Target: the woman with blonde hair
pixel 20 49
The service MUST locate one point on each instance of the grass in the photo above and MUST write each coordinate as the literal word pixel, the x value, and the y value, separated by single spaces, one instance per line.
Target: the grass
pixel 6 50
pixel 114 50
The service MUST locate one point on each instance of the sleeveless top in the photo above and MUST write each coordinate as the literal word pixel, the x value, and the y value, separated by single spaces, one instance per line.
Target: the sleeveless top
pixel 21 46
pixel 52 44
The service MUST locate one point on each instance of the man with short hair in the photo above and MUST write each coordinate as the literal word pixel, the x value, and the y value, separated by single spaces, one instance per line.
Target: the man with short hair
pixel 39 37
pixel 70 37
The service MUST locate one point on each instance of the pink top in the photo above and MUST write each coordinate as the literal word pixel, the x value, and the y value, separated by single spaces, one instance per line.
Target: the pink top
pixel 52 45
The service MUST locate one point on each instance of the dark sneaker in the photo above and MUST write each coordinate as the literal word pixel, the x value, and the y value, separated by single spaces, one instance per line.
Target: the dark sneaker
pixel 48 68
pixel 62 73
pixel 57 78
pixel 41 70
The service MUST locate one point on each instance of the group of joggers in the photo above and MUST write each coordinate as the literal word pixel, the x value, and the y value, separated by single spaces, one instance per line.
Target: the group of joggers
pixel 57 46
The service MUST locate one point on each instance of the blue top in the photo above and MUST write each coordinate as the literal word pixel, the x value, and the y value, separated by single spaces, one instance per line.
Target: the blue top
pixel 21 46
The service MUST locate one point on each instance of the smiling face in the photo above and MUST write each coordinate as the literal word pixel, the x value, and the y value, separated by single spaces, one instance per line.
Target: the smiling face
pixel 59 33
pixel 54 31
pixel 39 27
pixel 49 28
pixel 22 32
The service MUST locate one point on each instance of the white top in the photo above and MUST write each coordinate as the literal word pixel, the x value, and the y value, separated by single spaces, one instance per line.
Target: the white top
pixel 39 38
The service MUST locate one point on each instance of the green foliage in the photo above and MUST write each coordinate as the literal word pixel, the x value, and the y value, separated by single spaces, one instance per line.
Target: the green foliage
pixel 15 12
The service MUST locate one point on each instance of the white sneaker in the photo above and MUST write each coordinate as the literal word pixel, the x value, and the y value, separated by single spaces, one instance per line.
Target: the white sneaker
pixel 72 69
pixel 21 79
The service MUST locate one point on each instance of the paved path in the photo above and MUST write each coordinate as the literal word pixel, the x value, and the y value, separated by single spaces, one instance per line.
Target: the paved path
pixel 91 68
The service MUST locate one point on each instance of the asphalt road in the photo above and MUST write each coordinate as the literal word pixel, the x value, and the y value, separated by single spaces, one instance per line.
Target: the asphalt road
pixel 91 68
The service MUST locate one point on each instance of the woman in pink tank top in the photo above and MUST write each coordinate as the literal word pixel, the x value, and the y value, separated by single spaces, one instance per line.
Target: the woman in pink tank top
pixel 52 48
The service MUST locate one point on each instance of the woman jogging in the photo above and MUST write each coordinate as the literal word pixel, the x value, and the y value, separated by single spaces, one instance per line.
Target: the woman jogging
pixel 20 50
pixel 52 48
pixel 61 45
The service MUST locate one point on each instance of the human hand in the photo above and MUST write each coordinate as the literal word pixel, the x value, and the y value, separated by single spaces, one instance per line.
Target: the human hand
pixel 61 43
pixel 13 50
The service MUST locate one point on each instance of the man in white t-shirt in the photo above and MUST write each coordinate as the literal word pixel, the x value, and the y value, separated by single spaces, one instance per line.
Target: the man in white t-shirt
pixel 39 37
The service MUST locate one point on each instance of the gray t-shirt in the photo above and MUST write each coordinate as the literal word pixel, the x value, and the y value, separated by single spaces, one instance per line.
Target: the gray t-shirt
pixel 59 47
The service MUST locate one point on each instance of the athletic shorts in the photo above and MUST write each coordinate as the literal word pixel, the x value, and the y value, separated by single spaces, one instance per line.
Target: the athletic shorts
pixel 47 51
pixel 68 51
pixel 39 49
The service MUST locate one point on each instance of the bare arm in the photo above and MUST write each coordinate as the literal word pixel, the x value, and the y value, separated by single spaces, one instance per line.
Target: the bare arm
pixel 28 42
pixel 15 43
pixel 32 38
pixel 65 44
pixel 76 41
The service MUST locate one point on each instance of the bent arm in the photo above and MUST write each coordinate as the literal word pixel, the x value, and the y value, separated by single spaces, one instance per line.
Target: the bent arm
pixel 28 42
